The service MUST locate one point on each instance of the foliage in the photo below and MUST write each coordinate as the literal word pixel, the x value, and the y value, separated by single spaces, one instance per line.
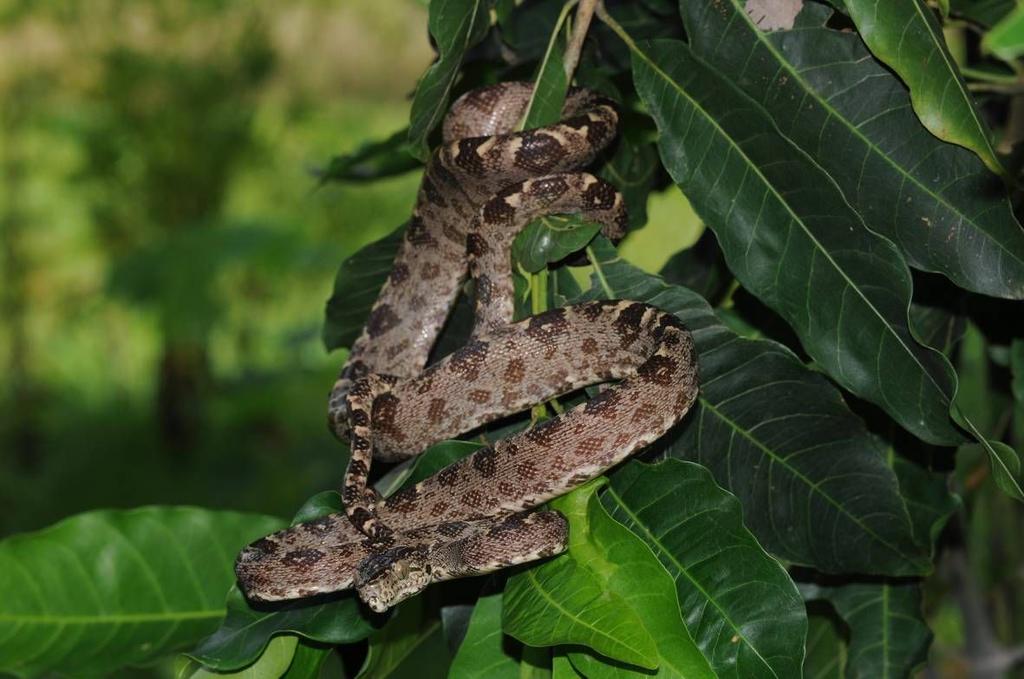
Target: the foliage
pixel 856 305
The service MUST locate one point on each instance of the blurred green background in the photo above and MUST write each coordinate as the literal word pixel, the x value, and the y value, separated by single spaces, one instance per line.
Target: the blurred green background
pixel 165 253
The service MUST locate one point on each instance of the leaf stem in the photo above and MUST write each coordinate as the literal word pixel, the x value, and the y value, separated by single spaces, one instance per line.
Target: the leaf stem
pixel 584 13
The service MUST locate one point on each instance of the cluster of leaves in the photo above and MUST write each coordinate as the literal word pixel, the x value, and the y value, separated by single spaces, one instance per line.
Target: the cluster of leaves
pixel 859 224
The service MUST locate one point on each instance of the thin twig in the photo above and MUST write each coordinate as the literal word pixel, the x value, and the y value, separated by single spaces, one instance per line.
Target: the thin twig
pixel 584 13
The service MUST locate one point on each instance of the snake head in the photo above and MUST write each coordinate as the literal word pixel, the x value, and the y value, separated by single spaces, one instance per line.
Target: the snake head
pixel 392 576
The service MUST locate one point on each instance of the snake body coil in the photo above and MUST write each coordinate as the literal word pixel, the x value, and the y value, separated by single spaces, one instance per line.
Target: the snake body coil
pixel 479 190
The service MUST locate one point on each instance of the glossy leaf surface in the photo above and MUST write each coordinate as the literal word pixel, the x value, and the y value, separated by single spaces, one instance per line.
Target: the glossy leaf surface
pixel 106 589
pixel 938 203
pixel 792 240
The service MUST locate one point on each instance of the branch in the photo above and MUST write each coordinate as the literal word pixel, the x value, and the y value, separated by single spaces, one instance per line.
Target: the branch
pixel 584 13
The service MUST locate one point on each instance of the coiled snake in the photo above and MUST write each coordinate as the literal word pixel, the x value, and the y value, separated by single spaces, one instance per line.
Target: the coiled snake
pixel 480 188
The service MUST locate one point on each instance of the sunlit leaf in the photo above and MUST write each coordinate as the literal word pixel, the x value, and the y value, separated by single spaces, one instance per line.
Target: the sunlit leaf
pixel 739 604
pixel 106 589
pixel 609 594
pixel 272 664
pixel 308 660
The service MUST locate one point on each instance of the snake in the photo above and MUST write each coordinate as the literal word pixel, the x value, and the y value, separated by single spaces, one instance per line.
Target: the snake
pixel 482 186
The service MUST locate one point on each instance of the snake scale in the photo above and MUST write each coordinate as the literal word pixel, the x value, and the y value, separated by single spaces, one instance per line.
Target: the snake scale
pixel 481 187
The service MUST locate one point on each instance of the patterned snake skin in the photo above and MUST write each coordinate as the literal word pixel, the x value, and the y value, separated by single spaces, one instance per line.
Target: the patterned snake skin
pixel 479 190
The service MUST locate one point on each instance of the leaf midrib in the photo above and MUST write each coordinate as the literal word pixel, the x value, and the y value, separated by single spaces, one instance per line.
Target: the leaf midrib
pixel 532 577
pixel 835 114
pixel 813 487
pixel 770 188
pixel 683 571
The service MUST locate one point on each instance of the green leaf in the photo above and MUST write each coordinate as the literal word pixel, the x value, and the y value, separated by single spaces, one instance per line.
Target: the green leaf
pixel 984 12
pixel 335 619
pixel 937 202
pixel 888 634
pixel 551 239
pixel 1005 465
pixel 551 83
pixel 814 484
pixel 928 500
pixel 700 268
pixel 429 462
pixel 826 651
pixel 308 660
pixel 739 604
pixel 105 589
pixel 1006 39
pixel 486 653
pixel 609 593
pixel 273 663
pixel 356 286
pixel 907 37
pixel 411 645
pixel 937 327
pixel 792 240
pixel 632 169
pixel 456 25
pixel 372 161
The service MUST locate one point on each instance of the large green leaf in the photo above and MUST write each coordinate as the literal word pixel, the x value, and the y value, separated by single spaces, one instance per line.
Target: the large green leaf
pixel 739 604
pixel 888 634
pixel 908 38
pixel 609 594
pixel 937 202
pixel 791 239
pixel 246 631
pixel 814 484
pixel 456 26
pixel 274 663
pixel 106 589
pixel 411 645
pixel 486 652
